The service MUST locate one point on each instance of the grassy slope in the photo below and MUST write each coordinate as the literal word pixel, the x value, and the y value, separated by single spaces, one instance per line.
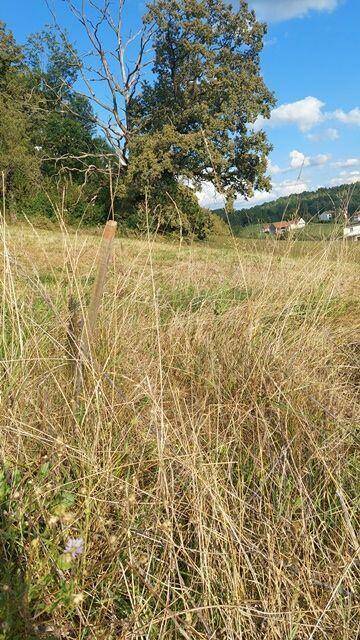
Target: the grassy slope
pixel 217 497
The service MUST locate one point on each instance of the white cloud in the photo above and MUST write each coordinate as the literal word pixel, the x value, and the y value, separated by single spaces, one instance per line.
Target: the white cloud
pixel 329 134
pixel 345 177
pixel 349 162
pixel 288 187
pixel 270 42
pixel 209 197
pixel 305 114
pixel 259 197
pixel 275 10
pixel 299 160
pixel 273 169
pixel 349 174
pixel 319 160
pixel 280 189
pixel 352 117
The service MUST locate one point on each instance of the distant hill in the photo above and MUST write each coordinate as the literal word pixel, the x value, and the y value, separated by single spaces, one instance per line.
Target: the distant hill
pixel 307 204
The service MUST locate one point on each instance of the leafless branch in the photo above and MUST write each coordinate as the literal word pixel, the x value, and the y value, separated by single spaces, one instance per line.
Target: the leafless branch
pixel 114 61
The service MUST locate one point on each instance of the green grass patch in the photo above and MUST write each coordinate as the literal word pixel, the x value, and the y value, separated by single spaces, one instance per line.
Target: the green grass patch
pixel 192 300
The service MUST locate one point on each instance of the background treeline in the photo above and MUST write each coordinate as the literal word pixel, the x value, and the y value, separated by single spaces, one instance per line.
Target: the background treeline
pixel 307 205
pixel 50 154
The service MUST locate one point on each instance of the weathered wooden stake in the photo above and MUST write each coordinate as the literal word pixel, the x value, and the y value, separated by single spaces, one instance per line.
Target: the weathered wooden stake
pixel 96 297
pixel 98 289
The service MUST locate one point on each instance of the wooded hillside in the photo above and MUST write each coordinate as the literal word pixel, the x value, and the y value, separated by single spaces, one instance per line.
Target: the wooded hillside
pixel 308 205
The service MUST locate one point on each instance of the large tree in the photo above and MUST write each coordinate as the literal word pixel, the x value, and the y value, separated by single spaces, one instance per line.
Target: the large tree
pixel 193 118
pixel 186 121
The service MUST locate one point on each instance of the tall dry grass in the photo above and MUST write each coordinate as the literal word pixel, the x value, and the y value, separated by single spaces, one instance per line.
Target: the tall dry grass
pixel 211 468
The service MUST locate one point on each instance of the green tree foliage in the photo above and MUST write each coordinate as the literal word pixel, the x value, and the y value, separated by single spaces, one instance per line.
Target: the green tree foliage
pixel 19 166
pixel 190 123
pixel 207 90
pixel 154 195
pixel 65 128
pixel 170 208
pixel 64 131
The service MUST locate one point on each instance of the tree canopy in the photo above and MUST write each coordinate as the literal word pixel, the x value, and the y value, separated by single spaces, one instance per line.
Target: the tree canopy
pixel 205 93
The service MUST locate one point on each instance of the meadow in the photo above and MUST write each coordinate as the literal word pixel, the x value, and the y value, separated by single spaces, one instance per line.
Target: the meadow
pixel 204 481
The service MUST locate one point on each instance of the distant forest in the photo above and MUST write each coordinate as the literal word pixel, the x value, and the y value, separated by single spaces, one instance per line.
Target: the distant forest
pixel 307 205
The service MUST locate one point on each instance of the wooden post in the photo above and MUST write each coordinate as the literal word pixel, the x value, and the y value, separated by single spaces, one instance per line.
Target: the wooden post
pixel 98 289
pixel 95 302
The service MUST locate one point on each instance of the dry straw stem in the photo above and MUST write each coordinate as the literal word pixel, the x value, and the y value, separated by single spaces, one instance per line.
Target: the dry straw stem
pixel 218 497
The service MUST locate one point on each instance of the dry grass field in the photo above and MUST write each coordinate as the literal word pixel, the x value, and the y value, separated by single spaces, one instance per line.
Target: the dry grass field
pixel 204 481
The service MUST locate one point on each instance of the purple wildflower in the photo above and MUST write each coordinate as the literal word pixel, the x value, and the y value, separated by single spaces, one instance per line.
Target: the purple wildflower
pixel 74 546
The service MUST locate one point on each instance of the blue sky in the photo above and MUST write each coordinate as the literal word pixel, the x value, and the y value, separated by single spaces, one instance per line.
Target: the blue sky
pixel 311 62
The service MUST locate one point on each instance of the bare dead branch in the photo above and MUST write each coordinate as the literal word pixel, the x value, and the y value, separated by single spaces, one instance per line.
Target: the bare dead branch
pixel 114 61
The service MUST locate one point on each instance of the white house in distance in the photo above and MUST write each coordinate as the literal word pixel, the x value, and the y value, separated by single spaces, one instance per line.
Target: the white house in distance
pixel 281 228
pixel 352 229
pixel 325 216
